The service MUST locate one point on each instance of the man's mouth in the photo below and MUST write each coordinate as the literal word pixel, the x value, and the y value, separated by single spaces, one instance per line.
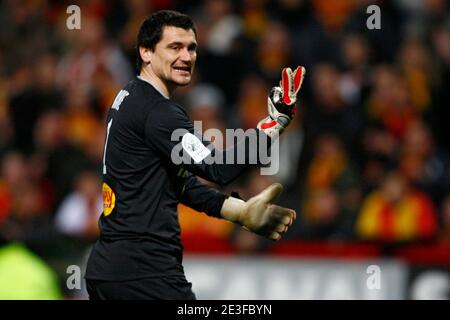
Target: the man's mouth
pixel 183 69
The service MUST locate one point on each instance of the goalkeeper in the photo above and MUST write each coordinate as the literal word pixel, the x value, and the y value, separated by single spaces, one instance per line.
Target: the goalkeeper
pixel 139 252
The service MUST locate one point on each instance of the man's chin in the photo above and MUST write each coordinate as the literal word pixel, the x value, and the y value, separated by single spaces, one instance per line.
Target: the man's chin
pixel 182 82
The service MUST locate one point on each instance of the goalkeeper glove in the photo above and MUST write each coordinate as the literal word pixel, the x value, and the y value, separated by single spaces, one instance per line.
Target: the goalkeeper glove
pixel 281 102
pixel 258 214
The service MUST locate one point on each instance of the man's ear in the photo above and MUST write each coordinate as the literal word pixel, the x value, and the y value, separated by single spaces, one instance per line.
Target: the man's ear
pixel 145 54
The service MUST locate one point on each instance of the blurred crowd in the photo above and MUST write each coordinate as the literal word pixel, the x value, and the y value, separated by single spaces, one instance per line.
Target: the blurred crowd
pixel 366 159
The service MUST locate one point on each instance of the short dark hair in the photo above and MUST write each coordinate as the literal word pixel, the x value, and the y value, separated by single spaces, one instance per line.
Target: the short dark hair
pixel 150 32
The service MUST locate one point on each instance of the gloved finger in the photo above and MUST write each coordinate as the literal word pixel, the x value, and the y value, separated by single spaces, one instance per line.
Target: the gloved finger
pixel 286 84
pixel 283 72
pixel 293 217
pixel 281 228
pixel 291 213
pixel 298 76
pixel 271 192
pixel 275 236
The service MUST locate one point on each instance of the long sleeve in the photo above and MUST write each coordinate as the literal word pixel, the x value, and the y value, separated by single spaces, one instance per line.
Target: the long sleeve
pixel 202 197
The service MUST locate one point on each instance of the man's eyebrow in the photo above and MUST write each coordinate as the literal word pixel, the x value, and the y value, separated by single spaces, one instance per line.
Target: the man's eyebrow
pixel 178 43
pixel 175 43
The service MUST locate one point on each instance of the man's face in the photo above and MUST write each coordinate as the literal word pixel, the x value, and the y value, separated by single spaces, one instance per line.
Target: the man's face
pixel 174 57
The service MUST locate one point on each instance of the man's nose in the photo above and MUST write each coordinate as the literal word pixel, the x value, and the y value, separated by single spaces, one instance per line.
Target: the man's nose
pixel 185 55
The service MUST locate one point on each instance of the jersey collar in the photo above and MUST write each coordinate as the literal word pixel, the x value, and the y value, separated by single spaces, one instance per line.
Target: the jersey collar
pixel 153 85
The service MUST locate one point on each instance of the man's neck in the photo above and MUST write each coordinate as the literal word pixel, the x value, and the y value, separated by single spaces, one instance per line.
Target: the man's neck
pixel 155 82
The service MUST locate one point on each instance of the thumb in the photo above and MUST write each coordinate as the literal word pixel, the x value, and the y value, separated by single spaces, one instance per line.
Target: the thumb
pixel 271 192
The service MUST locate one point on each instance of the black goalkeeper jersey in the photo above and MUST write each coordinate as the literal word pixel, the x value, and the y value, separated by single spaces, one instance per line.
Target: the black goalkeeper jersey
pixel 144 180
